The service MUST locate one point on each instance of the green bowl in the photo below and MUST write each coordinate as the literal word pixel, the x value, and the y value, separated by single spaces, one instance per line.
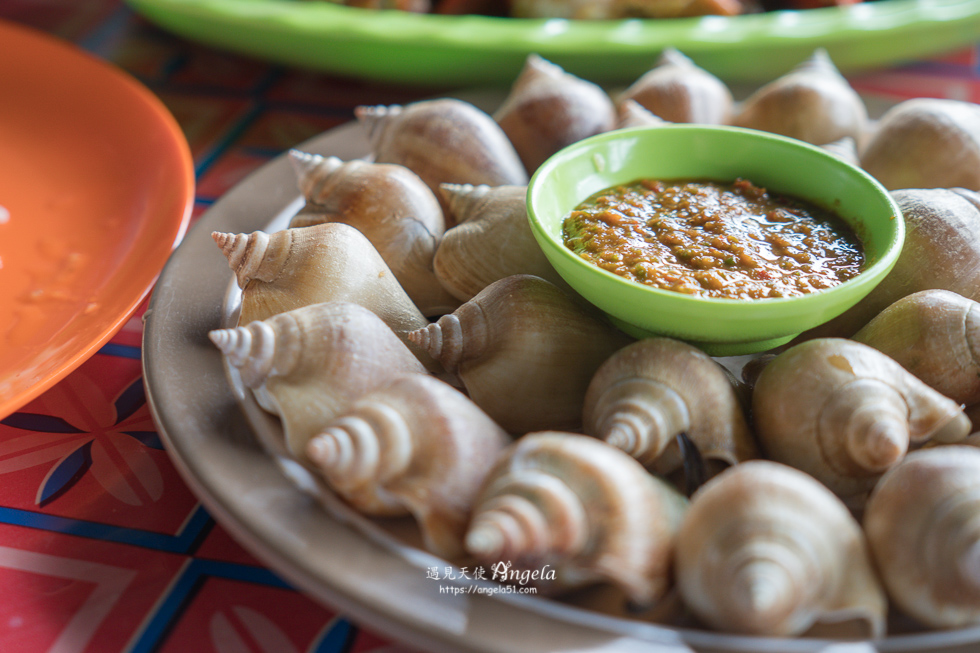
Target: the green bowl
pixel 722 327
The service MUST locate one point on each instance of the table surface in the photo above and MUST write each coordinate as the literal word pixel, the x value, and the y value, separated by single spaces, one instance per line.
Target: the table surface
pixel 120 556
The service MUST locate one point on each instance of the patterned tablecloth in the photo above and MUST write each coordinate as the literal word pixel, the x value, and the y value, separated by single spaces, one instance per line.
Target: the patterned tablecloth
pixel 102 546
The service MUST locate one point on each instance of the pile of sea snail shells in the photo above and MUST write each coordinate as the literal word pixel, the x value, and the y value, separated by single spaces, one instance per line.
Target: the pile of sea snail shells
pixel 520 426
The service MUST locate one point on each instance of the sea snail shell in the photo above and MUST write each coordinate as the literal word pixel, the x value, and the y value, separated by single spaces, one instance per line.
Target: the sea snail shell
pixel 767 550
pixel 923 526
pixel 548 109
pixel 843 148
pixel 310 265
pixel 491 240
pixel 941 250
pixel 585 508
pixel 678 90
pixel 525 352
pixel 413 445
pixel 844 413
pixel 391 206
pixel 443 141
pixel 651 391
pixel 812 103
pixel 935 335
pixel 926 143
pixel 630 113
pixel 309 364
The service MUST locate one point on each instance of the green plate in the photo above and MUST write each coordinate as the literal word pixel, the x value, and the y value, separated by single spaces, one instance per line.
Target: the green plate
pixel 395 46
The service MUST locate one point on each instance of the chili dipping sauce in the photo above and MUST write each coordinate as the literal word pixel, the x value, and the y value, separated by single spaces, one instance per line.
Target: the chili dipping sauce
pixel 711 239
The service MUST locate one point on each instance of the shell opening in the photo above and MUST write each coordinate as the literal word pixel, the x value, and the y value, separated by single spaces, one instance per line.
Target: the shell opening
pixel 696 471
pixel 267 401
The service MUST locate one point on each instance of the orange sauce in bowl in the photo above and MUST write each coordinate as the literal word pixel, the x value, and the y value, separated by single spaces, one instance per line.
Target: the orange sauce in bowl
pixel 728 240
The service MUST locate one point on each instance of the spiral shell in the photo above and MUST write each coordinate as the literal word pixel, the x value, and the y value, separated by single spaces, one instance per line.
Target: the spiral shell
pixel 548 109
pixel 923 526
pixel 926 143
pixel 492 240
pixel 766 550
pixel 650 392
pixel 412 445
pixel 677 90
pixel 813 103
pixel 844 413
pixel 630 113
pixel 309 364
pixel 843 148
pixel 941 251
pixel 391 206
pixel 443 141
pixel 524 351
pixel 581 506
pixel 309 265
pixel 935 335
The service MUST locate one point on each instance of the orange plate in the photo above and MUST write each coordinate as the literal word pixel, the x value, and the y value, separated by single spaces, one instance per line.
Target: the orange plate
pixel 96 188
